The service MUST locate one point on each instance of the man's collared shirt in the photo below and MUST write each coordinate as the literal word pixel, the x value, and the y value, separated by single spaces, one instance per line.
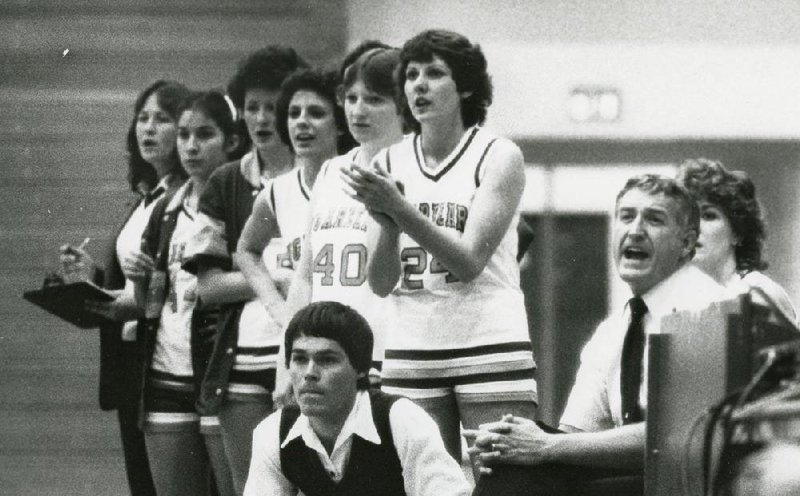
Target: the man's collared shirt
pixel 427 467
pixel 594 403
pixel 358 423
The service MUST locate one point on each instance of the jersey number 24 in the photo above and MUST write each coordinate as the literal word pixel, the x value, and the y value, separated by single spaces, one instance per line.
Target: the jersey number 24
pixel 415 261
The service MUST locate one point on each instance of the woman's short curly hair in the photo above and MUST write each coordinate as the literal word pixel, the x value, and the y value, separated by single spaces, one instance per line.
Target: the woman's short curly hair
pixel 324 84
pixel 734 193
pixel 263 69
pixel 465 60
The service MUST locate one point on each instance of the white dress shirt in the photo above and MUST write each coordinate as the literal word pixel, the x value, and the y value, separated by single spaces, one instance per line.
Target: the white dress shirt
pixel 427 467
pixel 595 403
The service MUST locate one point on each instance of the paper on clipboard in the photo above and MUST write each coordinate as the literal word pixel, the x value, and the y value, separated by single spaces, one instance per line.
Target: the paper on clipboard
pixel 66 301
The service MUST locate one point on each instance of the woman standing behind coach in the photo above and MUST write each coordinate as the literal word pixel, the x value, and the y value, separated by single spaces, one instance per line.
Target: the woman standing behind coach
pixel 730 246
pixel 153 170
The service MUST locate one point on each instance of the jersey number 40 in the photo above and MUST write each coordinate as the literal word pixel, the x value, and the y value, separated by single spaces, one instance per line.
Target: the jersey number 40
pixel 352 265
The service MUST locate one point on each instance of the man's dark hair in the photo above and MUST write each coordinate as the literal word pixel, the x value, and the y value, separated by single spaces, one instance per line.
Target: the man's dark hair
pixel 337 322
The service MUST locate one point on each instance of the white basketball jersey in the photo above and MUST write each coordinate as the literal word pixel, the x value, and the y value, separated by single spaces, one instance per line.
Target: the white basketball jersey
pixel 338 244
pixel 172 348
pixel 431 308
pixel 289 200
pixel 256 327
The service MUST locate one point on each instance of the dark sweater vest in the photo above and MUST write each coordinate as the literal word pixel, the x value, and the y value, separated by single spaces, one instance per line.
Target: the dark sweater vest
pixel 371 470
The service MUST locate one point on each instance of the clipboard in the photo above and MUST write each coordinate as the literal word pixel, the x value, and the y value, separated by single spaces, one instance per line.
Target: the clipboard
pixel 66 302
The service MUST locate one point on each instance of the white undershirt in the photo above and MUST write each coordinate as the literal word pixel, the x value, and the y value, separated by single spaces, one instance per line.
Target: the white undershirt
pixel 130 241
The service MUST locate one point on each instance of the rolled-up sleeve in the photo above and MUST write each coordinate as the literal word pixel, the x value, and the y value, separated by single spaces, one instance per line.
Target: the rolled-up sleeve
pixel 208 246
pixel 588 407
pixel 428 469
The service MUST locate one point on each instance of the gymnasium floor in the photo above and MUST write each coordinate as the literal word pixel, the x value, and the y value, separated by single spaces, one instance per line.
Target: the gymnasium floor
pixel 54 440
pixel 62 474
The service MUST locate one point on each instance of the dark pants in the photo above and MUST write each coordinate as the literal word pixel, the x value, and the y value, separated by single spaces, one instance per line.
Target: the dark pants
pixel 556 479
pixel 137 467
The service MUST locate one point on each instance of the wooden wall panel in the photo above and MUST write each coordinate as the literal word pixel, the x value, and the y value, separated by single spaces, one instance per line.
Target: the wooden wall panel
pixel 154 32
pixel 63 119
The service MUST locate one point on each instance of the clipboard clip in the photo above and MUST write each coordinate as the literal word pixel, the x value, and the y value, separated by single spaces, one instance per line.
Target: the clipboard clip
pixel 52 279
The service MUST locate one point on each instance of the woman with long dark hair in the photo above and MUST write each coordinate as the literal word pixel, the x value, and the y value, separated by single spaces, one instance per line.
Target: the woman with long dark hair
pixel 153 170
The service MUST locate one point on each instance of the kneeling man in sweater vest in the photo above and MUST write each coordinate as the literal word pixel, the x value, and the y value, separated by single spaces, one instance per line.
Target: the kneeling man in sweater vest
pixel 341 438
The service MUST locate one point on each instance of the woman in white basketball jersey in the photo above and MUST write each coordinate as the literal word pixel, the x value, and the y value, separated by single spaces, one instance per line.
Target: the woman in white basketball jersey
pixel 333 261
pixel 445 201
pixel 309 120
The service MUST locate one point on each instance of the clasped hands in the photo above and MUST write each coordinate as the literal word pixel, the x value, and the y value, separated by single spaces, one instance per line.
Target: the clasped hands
pixel 512 440
pixel 375 188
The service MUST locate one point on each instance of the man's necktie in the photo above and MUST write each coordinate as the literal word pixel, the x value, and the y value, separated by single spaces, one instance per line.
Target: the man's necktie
pixel 632 356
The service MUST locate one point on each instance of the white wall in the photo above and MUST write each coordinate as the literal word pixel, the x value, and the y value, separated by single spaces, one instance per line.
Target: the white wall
pixel 709 69
pixel 582 21
pixel 668 91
